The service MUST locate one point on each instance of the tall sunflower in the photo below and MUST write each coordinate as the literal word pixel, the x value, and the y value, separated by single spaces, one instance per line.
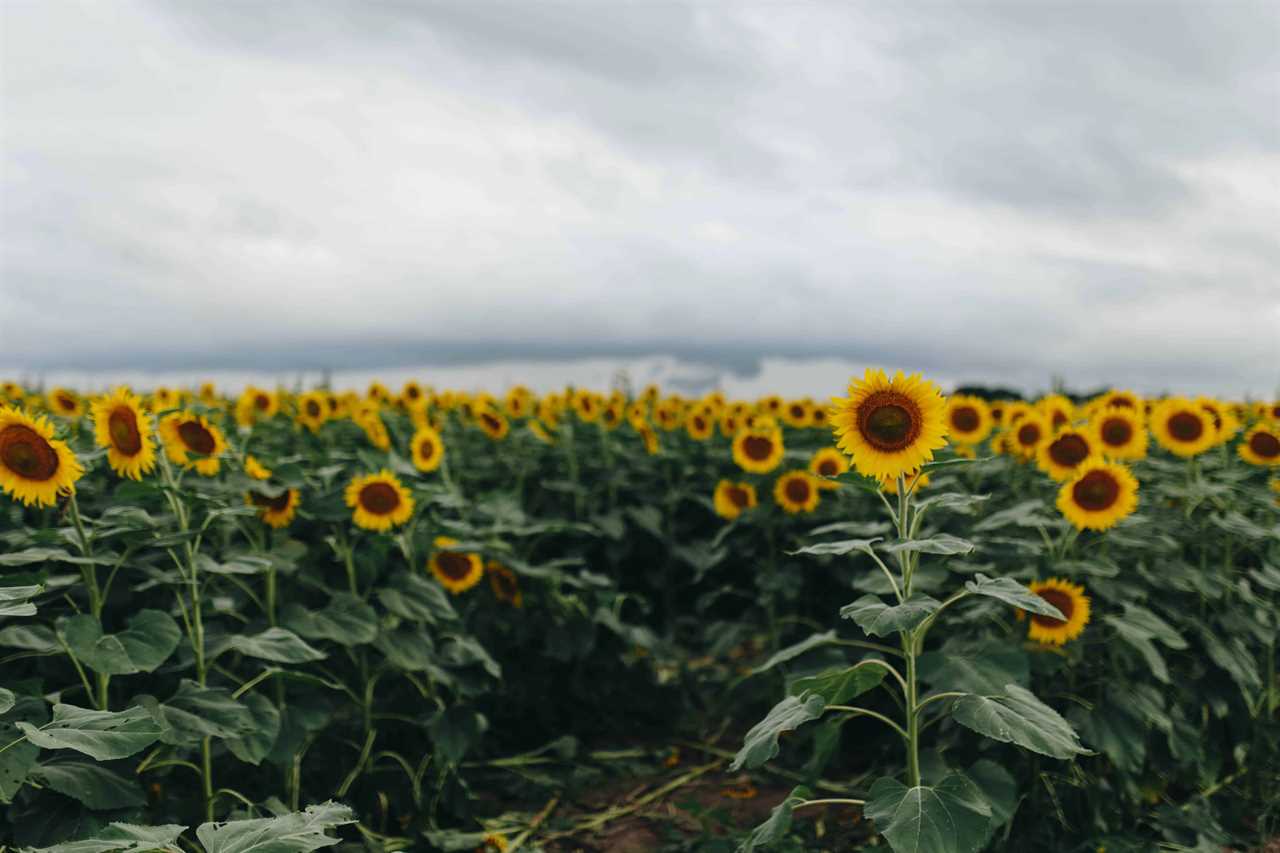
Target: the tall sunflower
pixel 889 426
pixel 1065 452
pixel 1101 494
pixel 732 499
pixel 191 441
pixel 1121 432
pixel 1182 427
pixel 758 451
pixel 1070 600
pixel 379 501
pixel 34 466
pixel 1261 445
pixel 796 492
pixel 278 511
pixel 828 462
pixel 969 419
pixel 428 449
pixel 457 571
pixel 256 404
pixel 122 426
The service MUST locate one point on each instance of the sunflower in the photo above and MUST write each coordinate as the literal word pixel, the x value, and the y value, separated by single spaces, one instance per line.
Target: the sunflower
pixel 504 583
pixel 1057 410
pixel 700 423
pixel 1182 427
pixel 65 403
pixel 968 418
pixel 518 402
pixel 1070 600
pixel 379 501
pixel 121 426
pixel 731 499
pixel 428 449
pixel 1101 494
pixel 256 404
pixel 256 469
pixel 650 438
pixel 797 413
pixel 164 398
pixel 367 417
pixel 669 414
pixel 1118 399
pixel 1120 432
pixel 275 512
pixel 208 393
pixel 914 479
pixel 34 466
pixel 818 419
pixel 12 391
pixel 1062 455
pixel 771 405
pixel 540 432
pixel 1261 445
pixel 313 410
pixel 828 462
pixel 412 396
pixel 493 423
pixel 191 441
pixel 889 426
pixel 1027 433
pixel 587 405
pixel 758 450
pixel 796 492
pixel 457 571
pixel 613 414
pixel 379 392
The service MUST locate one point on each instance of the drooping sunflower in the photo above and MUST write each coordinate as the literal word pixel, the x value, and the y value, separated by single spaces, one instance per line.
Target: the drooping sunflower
pixel 1101 494
pixel 1027 433
pixel 34 466
pixel 889 426
pixel 968 419
pixel 827 462
pixel 457 571
pixel 1181 427
pixel 1121 432
pixel 504 583
pixel 796 492
pixel 125 430
pixel 732 499
pixel 275 512
pixel 1065 452
pixel 313 410
pixel 1070 600
pixel 379 501
pixel 700 424
pixel 428 449
pixel 1261 445
pixel 65 403
pixel 191 441
pixel 540 432
pixel 758 451
pixel 493 423
pixel 650 438
pixel 367 416
pixel 256 469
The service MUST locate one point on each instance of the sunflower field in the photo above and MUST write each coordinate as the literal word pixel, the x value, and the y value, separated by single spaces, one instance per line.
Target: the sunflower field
pixel 431 620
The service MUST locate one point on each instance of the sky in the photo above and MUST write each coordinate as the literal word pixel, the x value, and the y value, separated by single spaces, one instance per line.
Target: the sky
pixel 999 193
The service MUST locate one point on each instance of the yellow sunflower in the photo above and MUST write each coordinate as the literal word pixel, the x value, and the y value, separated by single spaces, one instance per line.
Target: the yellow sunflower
pixel 818 419
pixel 504 583
pixel 313 410
pixel 587 405
pixel 540 432
pixel 796 492
pixel 493 423
pixel 650 438
pixel 1065 452
pixel 1057 410
pixel 1070 600
pixel 12 391
pixel 164 398
pixel 208 393
pixel 828 462
pixel 191 441
pixel 1121 432
pixel 65 403
pixel 368 418
pixel 34 466
pixel 275 512
pixel 379 501
pixel 669 414
pixel 797 413
pixel 121 426
pixel 1101 494
pixel 1225 424
pixel 428 449
pixel 1261 445
pixel 1027 433
pixel 889 426
pixel 968 418
pixel 256 404
pixel 256 469
pixel 457 571
pixel 700 424
pixel 732 499
pixel 758 451
pixel 518 402
pixel 1182 427
pixel 412 396
pixel 613 415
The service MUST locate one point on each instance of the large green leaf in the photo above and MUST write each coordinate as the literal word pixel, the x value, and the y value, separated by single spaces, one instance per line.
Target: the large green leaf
pixel 761 742
pixel 879 619
pixel 151 637
pixel 17 760
pixel 121 838
pixel 1025 514
pixel 838 686
pixel 845 546
pixel 795 650
pixel 1140 640
pixel 275 644
pixel 1012 592
pixel 982 668
pixel 1019 717
pixel 960 502
pixel 92 784
pixel 951 817
pixel 256 745
pixel 14 600
pixel 195 712
pixel 33 638
pixel 346 620
pixel 297 832
pixel 940 543
pixel 778 825
pixel 415 598
pixel 104 735
pixel 7 700
pixel 998 788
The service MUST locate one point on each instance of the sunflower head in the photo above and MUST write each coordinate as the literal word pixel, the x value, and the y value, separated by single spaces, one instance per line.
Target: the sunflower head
pixel 191 441
pixel 34 466
pixel 493 422
pixel 588 405
pixel 889 426
pixel 797 413
pixel 427 449
pixel 1058 411
pixel 65 403
pixel 969 419
pixel 1261 445
pixel 758 450
pixel 1070 600
pixel 275 511
pixel 1121 432
pixel 1065 451
pixel 828 462
pixel 732 499
pixel 649 436
pixel 796 492
pixel 379 501
pixel 700 423
pixel 256 469
pixel 1027 433
pixel 457 571
pixel 313 410
pixel 1099 495
pixel 504 583
pixel 1182 427
pixel 125 429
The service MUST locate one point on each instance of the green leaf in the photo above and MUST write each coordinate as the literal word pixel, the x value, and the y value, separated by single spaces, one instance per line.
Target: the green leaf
pixel 761 743
pixel 838 686
pixel 92 784
pixel 417 599
pixel 275 644
pixel 844 546
pixel 17 760
pixel 951 817
pixel 103 735
pixel 791 652
pixel 245 564
pixel 879 619
pixel 7 700
pixel 297 832
pixel 957 501
pixel 256 745
pixel 33 638
pixel 1141 641
pixel 45 555
pixel 13 600
pixel 1024 514
pixel 957 460
pixel 982 668
pixel 408 648
pixel 998 788
pixel 1155 628
pixel 195 712
pixel 120 838
pixel 455 730
pixel 1013 592
pixel 148 641
pixel 1019 717
pixel 940 543
pixel 778 825
pixel 346 620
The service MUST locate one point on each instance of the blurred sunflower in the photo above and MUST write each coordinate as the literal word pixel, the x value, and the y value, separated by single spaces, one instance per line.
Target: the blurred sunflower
pixel 1261 445
pixel 613 414
pixel 700 424
pixel 191 441
pixel 1182 427
pixel 125 430
pixel 427 449
pixel 379 501
pixel 313 410
pixel 770 405
pixel 669 414
pixel 275 512
pixel 457 571
pixel 1101 494
pixel 540 432
pixel 34 466
pixel 12 391
pixel 163 398
pixel 758 450
pixel 493 423
pixel 796 492
pixel 504 583
pixel 1028 432
pixel 208 393
pixel 1058 411
pixel 256 404
pixel 797 413
pixel 827 462
pixel 968 419
pixel 412 396
pixel 731 499
pixel 1121 432
pixel 587 405
pixel 65 403
pixel 1070 600
pixel 518 402
pixel 818 418
pixel 889 426
pixel 650 438
pixel 256 469
pixel 1065 451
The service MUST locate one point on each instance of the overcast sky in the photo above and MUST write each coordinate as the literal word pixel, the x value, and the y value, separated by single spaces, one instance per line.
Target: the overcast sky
pixel 987 192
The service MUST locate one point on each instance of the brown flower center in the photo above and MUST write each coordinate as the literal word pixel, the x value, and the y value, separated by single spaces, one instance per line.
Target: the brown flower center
pixel 67 404
pixel 1059 419
pixel 1185 426
pixel 1096 491
pixel 1122 402
pixel 1116 432
pixel 122 424
pixel 262 401
pixel 828 468
pixel 888 420
pixel 797 411
pixel 1058 599
pixel 453 565
pixel 1265 445
pixel 196 437
pixel 797 490
pixel 426 449
pixel 757 447
pixel 965 418
pixel 738 497
pixel 491 421
pixel 1028 435
pixel 26 452
pixel 313 409
pixel 279 503
pixel 1069 450
pixel 379 498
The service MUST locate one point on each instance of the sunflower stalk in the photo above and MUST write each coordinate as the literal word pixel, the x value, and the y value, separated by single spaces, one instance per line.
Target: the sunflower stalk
pixel 89 571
